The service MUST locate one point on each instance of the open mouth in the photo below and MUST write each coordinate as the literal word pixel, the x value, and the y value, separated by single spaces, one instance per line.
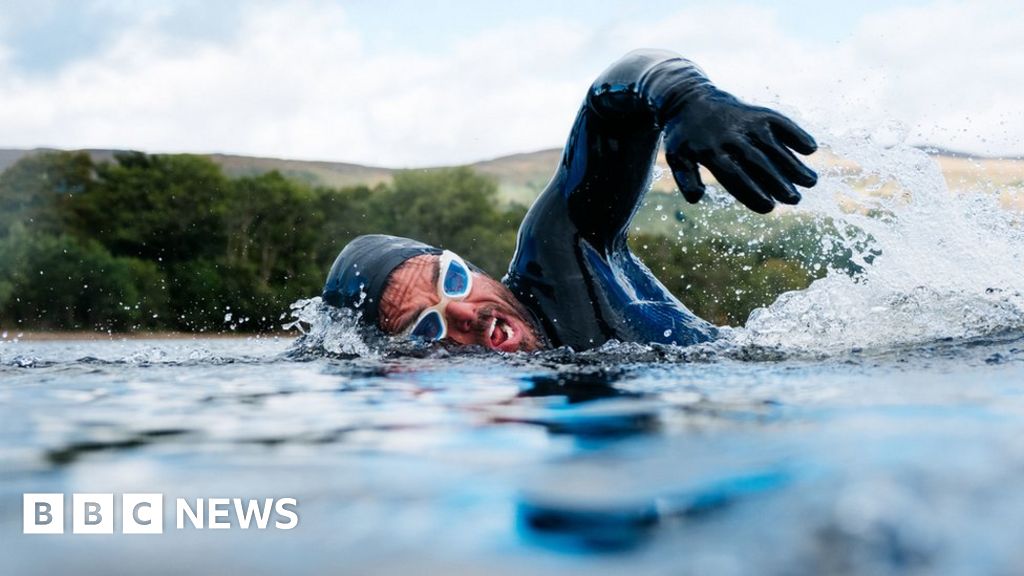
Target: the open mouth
pixel 499 332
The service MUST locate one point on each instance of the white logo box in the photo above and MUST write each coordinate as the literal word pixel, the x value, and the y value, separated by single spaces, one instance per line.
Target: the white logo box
pixel 92 513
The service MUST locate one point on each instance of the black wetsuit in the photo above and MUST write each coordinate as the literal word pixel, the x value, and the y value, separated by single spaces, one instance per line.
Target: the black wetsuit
pixel 572 266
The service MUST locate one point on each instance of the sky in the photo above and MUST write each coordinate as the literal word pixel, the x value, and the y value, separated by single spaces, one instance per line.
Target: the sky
pixel 404 83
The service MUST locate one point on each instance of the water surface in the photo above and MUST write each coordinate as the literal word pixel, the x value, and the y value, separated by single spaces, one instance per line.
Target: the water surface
pixel 909 460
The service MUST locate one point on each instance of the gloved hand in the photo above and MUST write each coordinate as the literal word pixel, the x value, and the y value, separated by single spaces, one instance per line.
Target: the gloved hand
pixel 745 147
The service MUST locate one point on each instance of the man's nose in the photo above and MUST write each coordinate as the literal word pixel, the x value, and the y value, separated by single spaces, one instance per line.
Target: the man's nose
pixel 460 317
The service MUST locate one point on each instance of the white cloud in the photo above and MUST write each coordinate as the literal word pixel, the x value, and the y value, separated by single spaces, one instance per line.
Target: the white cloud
pixel 298 81
pixel 948 71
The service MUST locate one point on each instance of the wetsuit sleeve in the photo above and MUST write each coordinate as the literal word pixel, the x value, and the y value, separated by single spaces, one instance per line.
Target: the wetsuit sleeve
pixel 612 148
pixel 647 85
pixel 572 266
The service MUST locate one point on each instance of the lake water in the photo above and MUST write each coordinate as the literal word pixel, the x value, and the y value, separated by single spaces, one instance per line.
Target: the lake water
pixel 870 424
pixel 627 459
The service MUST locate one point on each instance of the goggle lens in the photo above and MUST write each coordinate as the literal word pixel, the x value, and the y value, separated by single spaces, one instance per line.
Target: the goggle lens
pixel 456 279
pixel 429 327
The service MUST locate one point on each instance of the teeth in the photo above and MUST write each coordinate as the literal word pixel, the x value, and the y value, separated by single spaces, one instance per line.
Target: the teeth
pixel 508 330
pixel 490 331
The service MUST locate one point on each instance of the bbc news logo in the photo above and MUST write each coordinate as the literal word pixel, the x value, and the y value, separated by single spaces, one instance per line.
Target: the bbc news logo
pixel 144 513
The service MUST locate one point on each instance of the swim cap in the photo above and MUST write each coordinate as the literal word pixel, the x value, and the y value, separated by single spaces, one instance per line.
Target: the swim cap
pixel 360 273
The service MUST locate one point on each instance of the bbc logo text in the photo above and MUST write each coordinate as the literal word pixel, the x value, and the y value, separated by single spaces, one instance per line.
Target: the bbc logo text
pixel 92 513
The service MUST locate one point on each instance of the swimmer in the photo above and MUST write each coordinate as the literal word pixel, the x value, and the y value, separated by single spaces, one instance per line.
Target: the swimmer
pixel 573 280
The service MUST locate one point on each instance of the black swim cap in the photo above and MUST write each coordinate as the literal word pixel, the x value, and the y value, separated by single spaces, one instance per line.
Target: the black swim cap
pixel 361 271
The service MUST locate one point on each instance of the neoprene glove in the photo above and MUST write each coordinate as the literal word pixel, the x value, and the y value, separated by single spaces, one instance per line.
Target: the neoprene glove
pixel 745 147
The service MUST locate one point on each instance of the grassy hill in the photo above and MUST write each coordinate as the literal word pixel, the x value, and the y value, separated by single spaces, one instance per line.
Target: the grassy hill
pixel 522 176
pixel 334 174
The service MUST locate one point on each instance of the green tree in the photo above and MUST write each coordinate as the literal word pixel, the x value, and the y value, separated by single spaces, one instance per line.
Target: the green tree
pixel 272 224
pixel 65 283
pixel 719 280
pixel 453 208
pixel 35 190
pixel 723 260
pixel 162 208
pixel 212 295
pixel 344 214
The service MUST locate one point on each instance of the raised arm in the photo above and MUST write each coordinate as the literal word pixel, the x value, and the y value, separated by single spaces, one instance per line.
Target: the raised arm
pixel 606 167
pixel 572 265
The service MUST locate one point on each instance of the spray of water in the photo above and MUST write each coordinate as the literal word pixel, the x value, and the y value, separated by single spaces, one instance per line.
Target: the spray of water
pixel 936 263
pixel 326 330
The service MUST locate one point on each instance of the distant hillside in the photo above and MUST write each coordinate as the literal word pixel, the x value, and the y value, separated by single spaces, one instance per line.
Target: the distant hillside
pixel 335 174
pixel 522 176
pixel 8 157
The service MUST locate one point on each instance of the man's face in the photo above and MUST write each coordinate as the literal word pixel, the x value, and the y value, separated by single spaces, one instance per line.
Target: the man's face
pixel 489 316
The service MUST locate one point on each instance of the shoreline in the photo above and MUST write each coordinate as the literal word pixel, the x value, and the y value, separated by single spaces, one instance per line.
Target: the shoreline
pixel 84 335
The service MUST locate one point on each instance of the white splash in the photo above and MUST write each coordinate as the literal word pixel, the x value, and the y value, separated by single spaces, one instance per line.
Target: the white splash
pixel 936 263
pixel 326 329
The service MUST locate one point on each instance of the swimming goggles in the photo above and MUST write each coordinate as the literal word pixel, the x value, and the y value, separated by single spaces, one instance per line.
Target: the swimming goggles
pixel 454 283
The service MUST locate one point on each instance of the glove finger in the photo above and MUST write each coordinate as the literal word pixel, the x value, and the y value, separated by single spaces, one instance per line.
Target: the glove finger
pixel 791 135
pixel 738 183
pixel 784 160
pixel 687 177
pixel 761 168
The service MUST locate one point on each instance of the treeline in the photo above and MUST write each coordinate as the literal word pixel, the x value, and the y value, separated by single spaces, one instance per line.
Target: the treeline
pixel 169 242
